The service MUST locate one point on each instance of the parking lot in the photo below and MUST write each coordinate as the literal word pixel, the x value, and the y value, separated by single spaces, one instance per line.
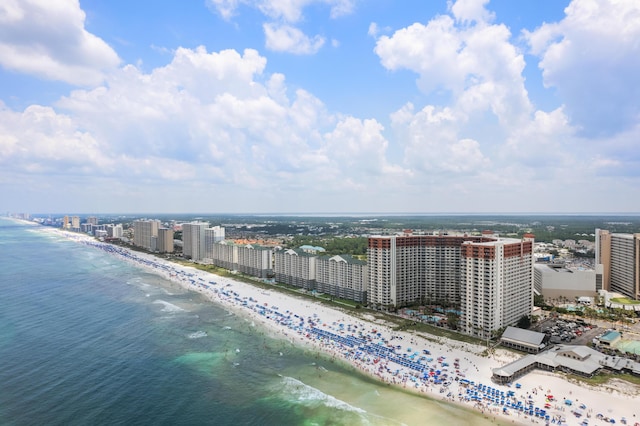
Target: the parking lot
pixel 568 331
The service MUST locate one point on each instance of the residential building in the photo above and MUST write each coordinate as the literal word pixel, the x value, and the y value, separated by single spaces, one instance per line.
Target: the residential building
pixel 224 255
pixel 114 231
pixel 165 240
pixel 342 276
pixel 212 236
pixel 477 273
pixel 254 260
pixel 603 256
pixel 407 269
pixel 193 239
pixel 75 223
pixel 496 284
pixel 619 255
pixel 143 230
pixel 296 268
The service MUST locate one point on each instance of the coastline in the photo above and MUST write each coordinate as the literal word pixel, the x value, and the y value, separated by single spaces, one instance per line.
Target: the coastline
pixel 329 330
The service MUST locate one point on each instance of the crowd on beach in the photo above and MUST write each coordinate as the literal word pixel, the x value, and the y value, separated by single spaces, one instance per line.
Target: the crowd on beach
pixel 443 369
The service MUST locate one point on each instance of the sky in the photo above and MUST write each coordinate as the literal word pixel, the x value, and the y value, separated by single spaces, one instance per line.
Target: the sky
pixel 320 106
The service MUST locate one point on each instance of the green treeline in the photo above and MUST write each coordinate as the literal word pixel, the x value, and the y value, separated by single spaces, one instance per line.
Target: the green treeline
pixel 355 246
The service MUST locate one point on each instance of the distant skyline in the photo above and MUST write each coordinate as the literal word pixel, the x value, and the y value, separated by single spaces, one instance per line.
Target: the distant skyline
pixel 312 106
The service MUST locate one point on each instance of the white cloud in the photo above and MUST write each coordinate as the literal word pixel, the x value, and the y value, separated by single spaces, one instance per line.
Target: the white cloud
pixel 226 8
pixel 477 64
pixel 48 39
pixel 40 141
pixel 373 30
pixel 206 119
pixel 592 58
pixel 545 143
pixel 468 11
pixel 285 38
pixel 281 35
pixel 214 128
pixel 292 10
pixel 486 127
pixel 433 145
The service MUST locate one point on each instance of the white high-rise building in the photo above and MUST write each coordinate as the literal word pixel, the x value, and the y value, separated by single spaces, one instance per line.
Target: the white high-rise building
pixel 342 276
pixel 296 268
pixel 225 255
pixel 619 255
pixel 496 285
pixel 255 260
pixel 114 231
pixel 211 237
pixel 193 240
pixel 409 269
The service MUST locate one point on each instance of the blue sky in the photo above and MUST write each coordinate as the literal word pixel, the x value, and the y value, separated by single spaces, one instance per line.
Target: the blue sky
pixel 301 106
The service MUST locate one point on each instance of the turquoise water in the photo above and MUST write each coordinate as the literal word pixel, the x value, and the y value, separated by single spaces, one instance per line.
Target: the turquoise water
pixel 86 338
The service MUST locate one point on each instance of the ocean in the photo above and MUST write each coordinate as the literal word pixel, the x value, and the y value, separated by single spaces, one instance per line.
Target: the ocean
pixel 88 339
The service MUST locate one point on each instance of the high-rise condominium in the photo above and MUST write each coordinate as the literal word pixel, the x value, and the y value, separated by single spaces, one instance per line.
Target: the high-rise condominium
pixel 476 273
pixel 619 255
pixel 193 240
pixel 143 231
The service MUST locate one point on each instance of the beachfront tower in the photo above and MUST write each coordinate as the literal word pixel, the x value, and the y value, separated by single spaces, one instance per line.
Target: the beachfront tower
pixel 296 268
pixel 143 231
pixel 193 240
pixel 496 285
pixel 342 276
pixel 619 255
pixel 489 278
pixel 412 269
pixel 165 240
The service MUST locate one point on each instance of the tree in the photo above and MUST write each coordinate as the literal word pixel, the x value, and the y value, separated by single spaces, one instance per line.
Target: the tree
pixel 524 322
pixel 452 320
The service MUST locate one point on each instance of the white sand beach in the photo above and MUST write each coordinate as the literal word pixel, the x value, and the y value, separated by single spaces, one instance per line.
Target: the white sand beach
pixel 435 366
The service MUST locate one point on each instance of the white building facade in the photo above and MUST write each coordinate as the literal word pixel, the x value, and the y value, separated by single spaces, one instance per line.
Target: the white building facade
pixel 193 239
pixel 342 276
pixel 496 285
pixel 296 268
pixel 255 260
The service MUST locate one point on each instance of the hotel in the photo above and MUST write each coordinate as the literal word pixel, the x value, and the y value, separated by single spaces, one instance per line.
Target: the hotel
pixel 342 276
pixel 496 284
pixel 143 231
pixel 619 255
pixel 193 240
pixel 296 268
pixel 165 240
pixel 477 273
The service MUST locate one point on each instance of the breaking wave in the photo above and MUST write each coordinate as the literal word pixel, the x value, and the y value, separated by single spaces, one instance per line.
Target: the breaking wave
pixel 168 307
pixel 312 397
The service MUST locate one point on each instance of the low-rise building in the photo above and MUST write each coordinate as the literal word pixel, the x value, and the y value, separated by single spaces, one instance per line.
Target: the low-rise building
pixel 524 340
pixel 557 281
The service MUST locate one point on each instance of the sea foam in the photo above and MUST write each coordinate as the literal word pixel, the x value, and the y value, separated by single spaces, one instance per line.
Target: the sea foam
pixel 310 396
pixel 168 307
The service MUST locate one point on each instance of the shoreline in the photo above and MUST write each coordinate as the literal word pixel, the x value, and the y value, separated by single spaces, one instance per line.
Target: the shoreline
pixel 396 358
